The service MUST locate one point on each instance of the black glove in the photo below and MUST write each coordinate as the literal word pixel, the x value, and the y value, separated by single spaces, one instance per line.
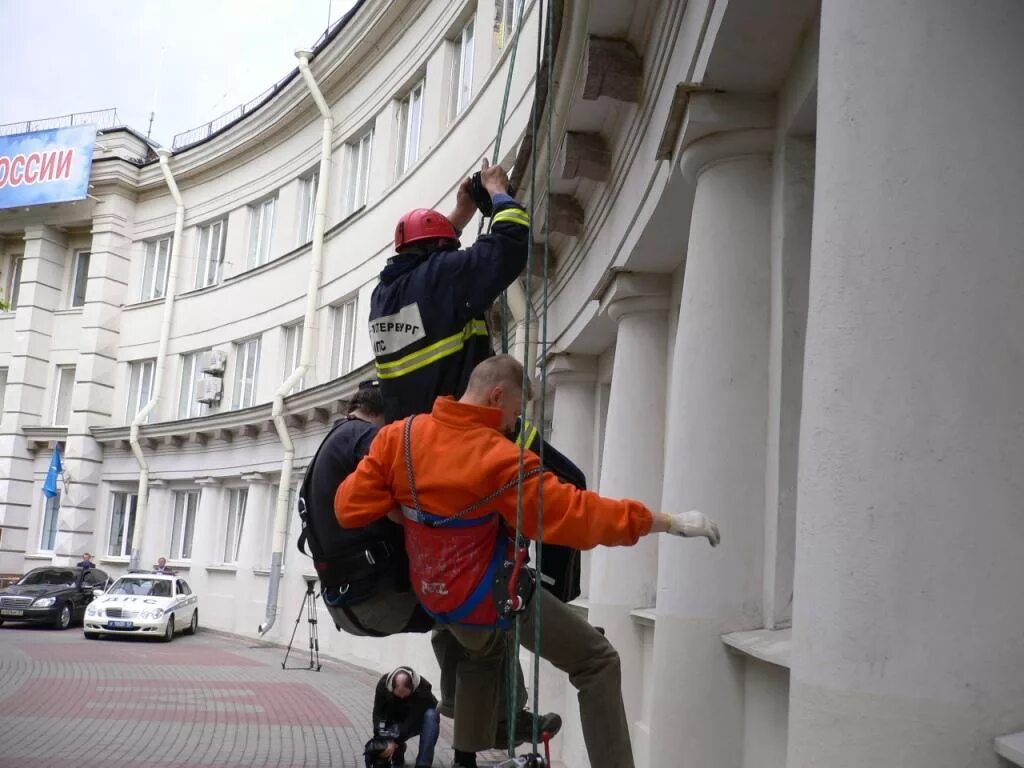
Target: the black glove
pixel 481 196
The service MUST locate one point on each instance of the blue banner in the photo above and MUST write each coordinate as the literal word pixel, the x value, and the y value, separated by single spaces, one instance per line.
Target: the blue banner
pixel 50 483
pixel 49 166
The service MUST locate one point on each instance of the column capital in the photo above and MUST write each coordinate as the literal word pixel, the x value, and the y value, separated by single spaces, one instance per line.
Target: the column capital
pixel 628 293
pixel 45 232
pixel 717 147
pixel 568 368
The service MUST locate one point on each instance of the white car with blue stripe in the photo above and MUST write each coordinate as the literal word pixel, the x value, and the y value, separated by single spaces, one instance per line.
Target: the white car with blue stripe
pixel 144 604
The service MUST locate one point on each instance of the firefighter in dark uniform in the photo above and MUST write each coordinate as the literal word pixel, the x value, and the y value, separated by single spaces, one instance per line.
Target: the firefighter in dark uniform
pixel 428 330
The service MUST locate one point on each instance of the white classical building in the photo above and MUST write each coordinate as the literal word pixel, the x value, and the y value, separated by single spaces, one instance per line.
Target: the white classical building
pixel 786 282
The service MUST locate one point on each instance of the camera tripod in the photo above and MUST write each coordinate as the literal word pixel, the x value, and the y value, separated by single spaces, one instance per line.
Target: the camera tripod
pixel 308 607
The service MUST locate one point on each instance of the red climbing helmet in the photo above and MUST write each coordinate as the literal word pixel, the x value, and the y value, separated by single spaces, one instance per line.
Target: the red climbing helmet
pixel 423 224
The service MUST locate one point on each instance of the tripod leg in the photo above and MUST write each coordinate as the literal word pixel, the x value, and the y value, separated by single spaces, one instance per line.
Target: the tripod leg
pixel 291 640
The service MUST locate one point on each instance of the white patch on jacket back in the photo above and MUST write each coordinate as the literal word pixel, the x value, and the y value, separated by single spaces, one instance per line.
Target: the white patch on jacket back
pixel 392 333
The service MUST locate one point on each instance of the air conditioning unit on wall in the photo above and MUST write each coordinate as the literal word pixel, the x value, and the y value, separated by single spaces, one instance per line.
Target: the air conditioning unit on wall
pixel 210 389
pixel 214 362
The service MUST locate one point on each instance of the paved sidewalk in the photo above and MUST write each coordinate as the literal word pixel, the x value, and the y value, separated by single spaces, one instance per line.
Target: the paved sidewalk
pixel 203 701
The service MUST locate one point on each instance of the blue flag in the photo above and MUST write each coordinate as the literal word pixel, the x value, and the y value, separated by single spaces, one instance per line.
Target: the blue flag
pixel 50 483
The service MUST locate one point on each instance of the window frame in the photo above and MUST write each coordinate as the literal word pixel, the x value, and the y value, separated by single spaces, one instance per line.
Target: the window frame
pixel 204 260
pixel 59 391
pixel 76 264
pixel 5 373
pixel 184 518
pixel 234 524
pixel 130 508
pixel 292 353
pixel 136 378
pixel 357 172
pixel 460 92
pixel 343 322
pixel 261 232
pixel 51 511
pixel 238 400
pixel 155 268
pixel 195 377
pixel 12 285
pixel 506 20
pixel 409 147
pixel 308 186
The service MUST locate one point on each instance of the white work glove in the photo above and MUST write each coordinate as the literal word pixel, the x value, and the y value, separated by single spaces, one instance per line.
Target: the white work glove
pixel 694 523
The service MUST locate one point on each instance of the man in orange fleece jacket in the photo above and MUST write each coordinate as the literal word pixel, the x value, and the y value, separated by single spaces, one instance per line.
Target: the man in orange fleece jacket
pixel 458 456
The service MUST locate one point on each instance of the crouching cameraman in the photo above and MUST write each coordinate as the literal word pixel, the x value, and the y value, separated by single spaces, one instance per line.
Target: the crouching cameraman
pixel 403 707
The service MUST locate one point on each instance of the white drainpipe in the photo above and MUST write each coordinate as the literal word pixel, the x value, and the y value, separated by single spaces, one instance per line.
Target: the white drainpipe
pixel 309 339
pixel 161 358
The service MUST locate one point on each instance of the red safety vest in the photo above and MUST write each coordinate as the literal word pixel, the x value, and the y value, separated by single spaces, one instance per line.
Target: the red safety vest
pixel 457 562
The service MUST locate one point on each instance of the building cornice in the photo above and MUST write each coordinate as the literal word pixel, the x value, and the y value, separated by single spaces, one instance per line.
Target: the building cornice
pixel 318 404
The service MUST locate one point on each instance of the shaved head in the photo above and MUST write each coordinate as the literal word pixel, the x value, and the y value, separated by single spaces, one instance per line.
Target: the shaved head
pixel 497 382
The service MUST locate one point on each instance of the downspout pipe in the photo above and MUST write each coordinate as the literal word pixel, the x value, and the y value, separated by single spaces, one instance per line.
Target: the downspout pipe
pixel 142 504
pixel 309 338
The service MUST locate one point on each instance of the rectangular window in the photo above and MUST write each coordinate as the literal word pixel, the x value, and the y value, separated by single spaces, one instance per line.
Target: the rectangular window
pixel 247 359
pixel 13 284
pixel 51 516
pixel 140 388
pixel 191 373
pixel 410 120
pixel 357 178
pixel 261 229
pixel 122 524
pixel 154 272
pixel 62 399
pixel 292 352
pixel 506 17
pixel 307 207
pixel 79 278
pixel 210 254
pixel 3 387
pixel 344 339
pixel 186 505
pixel 237 499
pixel 462 71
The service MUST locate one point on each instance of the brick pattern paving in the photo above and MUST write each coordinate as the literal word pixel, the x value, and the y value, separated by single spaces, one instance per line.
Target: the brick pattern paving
pixel 204 701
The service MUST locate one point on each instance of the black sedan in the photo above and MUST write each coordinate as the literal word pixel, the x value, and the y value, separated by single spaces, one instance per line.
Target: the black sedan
pixel 51 595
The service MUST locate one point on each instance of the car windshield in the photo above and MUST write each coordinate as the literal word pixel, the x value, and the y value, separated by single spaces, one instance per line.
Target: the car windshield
pixel 141 586
pixel 50 576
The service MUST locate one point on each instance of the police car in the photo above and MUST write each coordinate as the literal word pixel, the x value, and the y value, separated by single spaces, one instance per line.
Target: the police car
pixel 143 604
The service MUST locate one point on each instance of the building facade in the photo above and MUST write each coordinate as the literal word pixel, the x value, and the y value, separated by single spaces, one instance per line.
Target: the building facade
pixel 784 285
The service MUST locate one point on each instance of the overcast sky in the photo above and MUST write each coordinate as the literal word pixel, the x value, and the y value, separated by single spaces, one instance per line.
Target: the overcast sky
pixel 186 60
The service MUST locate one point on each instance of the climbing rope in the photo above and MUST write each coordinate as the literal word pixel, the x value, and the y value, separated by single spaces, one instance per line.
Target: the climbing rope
pixel 545 27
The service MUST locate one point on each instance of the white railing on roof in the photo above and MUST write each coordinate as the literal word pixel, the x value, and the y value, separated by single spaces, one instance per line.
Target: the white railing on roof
pixel 101 118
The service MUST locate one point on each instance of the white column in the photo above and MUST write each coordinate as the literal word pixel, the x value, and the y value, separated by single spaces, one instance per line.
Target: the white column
pixel 623 579
pixel 908 626
pixel 30 379
pixel 573 379
pixel 95 372
pixel 715 453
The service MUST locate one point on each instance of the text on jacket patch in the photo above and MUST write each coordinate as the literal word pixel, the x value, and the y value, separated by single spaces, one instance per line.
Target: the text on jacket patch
pixel 392 333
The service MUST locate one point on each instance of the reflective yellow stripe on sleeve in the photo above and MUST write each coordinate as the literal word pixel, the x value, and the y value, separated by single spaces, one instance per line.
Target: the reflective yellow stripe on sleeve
pixel 527 434
pixel 432 353
pixel 512 215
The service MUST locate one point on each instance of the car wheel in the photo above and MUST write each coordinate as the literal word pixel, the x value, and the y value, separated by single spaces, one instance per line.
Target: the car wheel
pixel 193 626
pixel 92 635
pixel 169 632
pixel 64 619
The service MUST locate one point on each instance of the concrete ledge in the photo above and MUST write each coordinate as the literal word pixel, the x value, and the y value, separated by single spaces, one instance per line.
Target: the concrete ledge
pixel 770 645
pixel 1011 747
pixel 644 616
pixel 223 568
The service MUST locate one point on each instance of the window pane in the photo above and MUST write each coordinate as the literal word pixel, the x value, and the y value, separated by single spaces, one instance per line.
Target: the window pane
pixel 3 387
pixel 51 515
pixel 14 282
pixel 191 509
pixel 80 279
pixel 344 338
pixel 415 118
pixel 116 525
pixel 364 168
pixel 62 403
